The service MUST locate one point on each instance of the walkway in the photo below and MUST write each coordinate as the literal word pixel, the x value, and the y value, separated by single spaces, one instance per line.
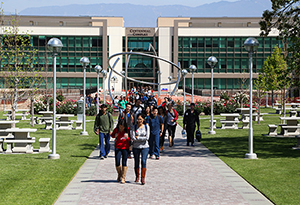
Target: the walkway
pixel 183 175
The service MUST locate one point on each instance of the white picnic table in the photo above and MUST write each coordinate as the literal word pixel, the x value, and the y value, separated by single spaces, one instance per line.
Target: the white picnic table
pixel 231 120
pixel 5 124
pixel 21 140
pixel 23 114
pixel 64 123
pixel 291 128
pixel 245 113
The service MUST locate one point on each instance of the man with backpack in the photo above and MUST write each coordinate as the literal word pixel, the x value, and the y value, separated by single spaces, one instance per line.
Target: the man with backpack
pixel 137 109
pixel 103 127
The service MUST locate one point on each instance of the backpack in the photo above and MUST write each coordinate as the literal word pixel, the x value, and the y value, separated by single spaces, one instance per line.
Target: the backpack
pixel 135 127
pixel 109 117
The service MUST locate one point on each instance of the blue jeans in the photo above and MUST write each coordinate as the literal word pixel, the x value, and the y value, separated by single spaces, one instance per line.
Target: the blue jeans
pixel 104 149
pixel 154 144
pixel 121 153
pixel 136 153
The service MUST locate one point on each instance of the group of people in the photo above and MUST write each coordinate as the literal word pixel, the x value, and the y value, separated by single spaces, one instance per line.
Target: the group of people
pixel 141 130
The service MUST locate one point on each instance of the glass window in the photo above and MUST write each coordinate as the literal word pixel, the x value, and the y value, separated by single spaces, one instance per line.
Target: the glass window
pixel 229 83
pixel 208 43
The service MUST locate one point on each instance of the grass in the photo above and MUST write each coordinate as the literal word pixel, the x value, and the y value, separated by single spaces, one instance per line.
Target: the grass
pixel 276 171
pixel 32 178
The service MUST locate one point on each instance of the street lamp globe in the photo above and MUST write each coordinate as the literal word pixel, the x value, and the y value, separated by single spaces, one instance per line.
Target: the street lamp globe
pixel 251 44
pixel 193 68
pixel 104 72
pixel 84 61
pixel 212 61
pixel 170 78
pixel 54 45
pixel 98 68
pixel 123 72
pixel 184 72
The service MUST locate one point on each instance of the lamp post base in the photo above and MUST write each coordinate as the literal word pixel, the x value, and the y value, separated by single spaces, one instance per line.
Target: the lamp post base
pixel 250 156
pixel 84 133
pixel 212 132
pixel 53 156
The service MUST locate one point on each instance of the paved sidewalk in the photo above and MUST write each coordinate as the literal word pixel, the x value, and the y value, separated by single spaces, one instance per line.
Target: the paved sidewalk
pixel 183 175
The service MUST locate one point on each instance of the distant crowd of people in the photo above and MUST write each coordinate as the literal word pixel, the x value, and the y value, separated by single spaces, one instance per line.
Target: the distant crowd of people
pixel 141 130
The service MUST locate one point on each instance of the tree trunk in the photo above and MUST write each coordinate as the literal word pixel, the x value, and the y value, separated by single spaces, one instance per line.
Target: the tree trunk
pixel 14 104
pixel 273 99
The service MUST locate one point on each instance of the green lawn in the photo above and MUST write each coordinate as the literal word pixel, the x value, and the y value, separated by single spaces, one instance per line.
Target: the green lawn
pixel 33 179
pixel 276 171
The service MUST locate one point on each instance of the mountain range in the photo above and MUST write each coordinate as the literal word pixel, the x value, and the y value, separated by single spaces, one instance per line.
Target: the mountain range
pixel 146 16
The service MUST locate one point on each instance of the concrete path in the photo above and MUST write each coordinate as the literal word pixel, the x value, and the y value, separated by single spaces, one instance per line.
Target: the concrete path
pixel 183 175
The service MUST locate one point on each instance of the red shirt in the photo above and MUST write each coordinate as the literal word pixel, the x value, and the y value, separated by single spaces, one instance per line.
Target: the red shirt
pixel 121 141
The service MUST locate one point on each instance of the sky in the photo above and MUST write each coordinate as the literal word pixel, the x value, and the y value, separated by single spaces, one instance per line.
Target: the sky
pixel 11 6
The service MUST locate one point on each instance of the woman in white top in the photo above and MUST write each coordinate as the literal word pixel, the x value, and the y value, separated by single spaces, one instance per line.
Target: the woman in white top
pixel 140 136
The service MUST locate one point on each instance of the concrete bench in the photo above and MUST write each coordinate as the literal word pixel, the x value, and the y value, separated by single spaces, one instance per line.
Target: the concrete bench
pixel 278 111
pixel 42 120
pixel 245 124
pixel 21 146
pixel 272 130
pixel 23 116
pixel 44 145
pixel 229 124
pixel 214 124
pixel 78 125
pixel 48 124
pixel 64 125
pixel 290 130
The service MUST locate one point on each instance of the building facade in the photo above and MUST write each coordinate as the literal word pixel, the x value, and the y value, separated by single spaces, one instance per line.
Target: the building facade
pixel 185 41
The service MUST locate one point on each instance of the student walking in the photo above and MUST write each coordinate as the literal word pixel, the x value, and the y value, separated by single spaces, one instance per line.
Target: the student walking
pixel 172 117
pixel 122 135
pixel 140 136
pixel 162 113
pixel 156 124
pixel 190 119
pixel 103 126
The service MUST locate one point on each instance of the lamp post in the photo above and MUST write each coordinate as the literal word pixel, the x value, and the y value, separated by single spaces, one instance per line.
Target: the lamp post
pixel 98 69
pixel 212 61
pixel 84 61
pixel 54 45
pixel 123 81
pixel 251 45
pixel 104 72
pixel 170 78
pixel 193 69
pixel 184 72
pixel 159 82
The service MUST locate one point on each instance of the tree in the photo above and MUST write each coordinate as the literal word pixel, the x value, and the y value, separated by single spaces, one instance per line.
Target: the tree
pixel 276 74
pixel 285 18
pixel 18 68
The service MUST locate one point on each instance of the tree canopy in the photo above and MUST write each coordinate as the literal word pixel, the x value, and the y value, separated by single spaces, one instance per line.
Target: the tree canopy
pixel 284 17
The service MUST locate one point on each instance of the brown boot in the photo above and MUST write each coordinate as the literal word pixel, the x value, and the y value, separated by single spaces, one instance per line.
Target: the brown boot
pixel 137 174
pixel 124 170
pixel 143 175
pixel 118 168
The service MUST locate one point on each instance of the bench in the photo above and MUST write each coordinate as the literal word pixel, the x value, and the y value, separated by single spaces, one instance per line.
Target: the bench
pixel 8 116
pixel 214 124
pixel 278 111
pixel 290 130
pixel 44 145
pixel 78 125
pixel 48 124
pixel 245 124
pixel 64 125
pixel 42 120
pixel 272 130
pixel 229 124
pixel 21 146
